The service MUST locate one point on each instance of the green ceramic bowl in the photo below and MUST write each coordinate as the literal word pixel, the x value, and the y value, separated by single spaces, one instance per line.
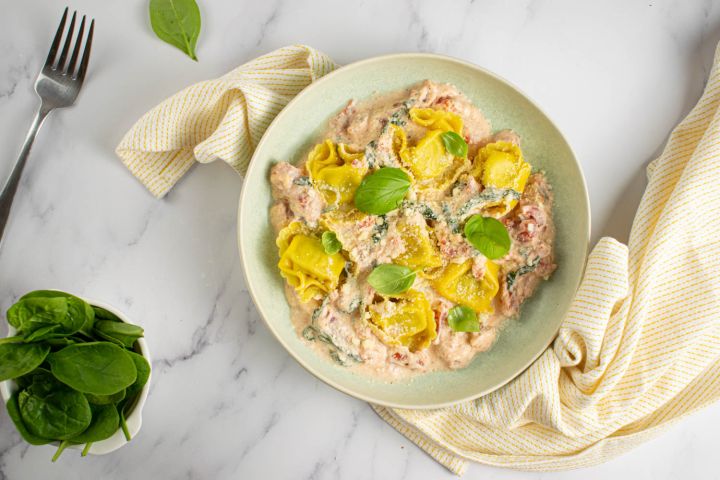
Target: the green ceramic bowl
pixel 297 128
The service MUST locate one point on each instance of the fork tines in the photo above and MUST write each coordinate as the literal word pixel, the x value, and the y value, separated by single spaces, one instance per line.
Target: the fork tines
pixel 60 65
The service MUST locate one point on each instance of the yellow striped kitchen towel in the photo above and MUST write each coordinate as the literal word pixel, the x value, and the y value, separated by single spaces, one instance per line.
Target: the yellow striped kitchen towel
pixel 218 119
pixel 640 348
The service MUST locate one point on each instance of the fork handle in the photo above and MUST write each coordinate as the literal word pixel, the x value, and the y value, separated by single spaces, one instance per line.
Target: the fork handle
pixel 11 186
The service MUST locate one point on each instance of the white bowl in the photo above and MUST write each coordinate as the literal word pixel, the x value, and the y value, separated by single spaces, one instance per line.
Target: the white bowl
pixel 133 421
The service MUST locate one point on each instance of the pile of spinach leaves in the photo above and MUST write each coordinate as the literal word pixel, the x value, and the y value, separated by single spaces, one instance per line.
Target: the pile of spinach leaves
pixel 76 367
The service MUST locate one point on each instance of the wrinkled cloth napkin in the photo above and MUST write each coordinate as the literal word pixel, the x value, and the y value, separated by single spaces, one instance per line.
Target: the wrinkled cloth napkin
pixel 640 348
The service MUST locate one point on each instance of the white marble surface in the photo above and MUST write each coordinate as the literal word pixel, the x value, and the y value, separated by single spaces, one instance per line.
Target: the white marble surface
pixel 227 401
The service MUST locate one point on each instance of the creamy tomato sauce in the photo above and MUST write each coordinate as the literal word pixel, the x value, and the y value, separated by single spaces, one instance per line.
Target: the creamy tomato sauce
pixel 338 323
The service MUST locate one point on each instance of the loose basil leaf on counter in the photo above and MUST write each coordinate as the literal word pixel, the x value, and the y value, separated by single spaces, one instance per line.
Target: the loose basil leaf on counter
pixel 123 334
pixel 391 279
pixel 382 191
pixel 488 235
pixel 330 243
pixel 17 359
pixel 176 22
pixel 455 144
pixel 463 319
pixel 99 368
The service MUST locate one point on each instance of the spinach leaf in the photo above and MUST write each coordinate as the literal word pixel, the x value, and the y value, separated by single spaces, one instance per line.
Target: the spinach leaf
pixel 463 319
pixel 44 314
pixel 455 144
pixel 176 22
pixel 14 413
pixel 15 339
pixel 330 243
pixel 338 354
pixel 102 314
pixel 50 409
pixel 512 277
pixel 105 422
pixel 100 368
pixel 106 399
pixel 123 334
pixel 123 424
pixel 382 191
pixel 17 359
pixel 488 235
pixel 143 374
pixel 391 279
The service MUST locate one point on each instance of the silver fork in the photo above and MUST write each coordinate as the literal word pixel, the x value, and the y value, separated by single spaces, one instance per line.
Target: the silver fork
pixel 57 85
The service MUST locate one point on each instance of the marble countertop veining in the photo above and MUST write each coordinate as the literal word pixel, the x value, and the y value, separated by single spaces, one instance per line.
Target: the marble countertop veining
pixel 226 400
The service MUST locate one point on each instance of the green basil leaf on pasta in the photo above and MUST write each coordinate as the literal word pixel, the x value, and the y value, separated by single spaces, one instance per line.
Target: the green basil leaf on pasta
pixel 391 279
pixel 382 191
pixel 455 144
pixel 488 235
pixel 463 319
pixel 176 22
pixel 330 243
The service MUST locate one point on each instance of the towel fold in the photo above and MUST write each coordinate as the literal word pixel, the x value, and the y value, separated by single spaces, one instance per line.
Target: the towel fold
pixel 218 119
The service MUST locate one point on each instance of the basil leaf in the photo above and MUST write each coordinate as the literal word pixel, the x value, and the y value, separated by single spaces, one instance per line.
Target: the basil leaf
pixel 382 191
pixel 463 319
pixel 100 368
pixel 17 359
pixel 330 243
pixel 176 22
pixel 455 144
pixel 488 235
pixel 390 279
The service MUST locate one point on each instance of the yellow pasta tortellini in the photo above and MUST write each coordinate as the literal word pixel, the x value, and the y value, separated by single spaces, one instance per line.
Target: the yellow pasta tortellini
pixel 420 252
pixel 336 171
pixel 437 119
pixel 501 165
pixel 458 284
pixel 304 263
pixel 428 159
pixel 406 319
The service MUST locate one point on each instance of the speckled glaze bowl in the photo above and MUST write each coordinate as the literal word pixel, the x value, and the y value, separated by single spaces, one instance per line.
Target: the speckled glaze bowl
pixel 133 420
pixel 297 128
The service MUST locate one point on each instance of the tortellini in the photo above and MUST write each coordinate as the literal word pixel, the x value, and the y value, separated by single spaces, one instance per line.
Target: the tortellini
pixel 420 252
pixel 458 284
pixel 437 119
pixel 428 159
pixel 501 165
pixel 304 263
pixel 406 320
pixel 335 171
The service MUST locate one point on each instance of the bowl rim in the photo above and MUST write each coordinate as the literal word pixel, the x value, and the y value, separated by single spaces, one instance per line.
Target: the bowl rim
pixel 253 165
pixel 133 421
